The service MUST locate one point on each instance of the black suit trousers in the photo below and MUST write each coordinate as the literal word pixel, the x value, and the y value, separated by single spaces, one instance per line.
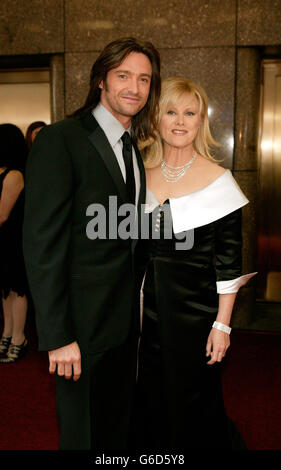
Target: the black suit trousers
pixel 107 385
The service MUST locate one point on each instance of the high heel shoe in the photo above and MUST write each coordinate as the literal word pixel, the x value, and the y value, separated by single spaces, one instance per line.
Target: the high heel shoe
pixel 5 342
pixel 15 352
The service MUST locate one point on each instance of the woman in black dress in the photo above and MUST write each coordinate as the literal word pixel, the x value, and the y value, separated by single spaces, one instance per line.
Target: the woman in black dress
pixel 192 272
pixel 13 281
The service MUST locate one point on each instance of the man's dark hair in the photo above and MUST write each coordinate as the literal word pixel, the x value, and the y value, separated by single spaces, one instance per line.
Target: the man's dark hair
pixel 143 123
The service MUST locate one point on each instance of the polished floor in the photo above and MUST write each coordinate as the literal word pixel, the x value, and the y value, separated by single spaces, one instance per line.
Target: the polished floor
pixel 267 317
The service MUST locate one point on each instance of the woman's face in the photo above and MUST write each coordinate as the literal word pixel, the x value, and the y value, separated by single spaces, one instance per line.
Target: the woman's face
pixel 35 132
pixel 180 123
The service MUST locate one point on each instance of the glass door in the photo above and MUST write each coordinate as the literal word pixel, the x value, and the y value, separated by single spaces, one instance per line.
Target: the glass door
pixel 269 231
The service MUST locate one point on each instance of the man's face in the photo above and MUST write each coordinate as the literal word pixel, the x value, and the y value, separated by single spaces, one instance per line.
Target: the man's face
pixel 126 88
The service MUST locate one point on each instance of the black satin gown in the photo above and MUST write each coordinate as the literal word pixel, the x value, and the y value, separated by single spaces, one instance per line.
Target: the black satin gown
pixel 179 402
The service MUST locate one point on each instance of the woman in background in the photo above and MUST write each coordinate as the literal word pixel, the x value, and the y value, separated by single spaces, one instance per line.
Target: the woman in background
pixel 32 132
pixel 192 266
pixel 13 281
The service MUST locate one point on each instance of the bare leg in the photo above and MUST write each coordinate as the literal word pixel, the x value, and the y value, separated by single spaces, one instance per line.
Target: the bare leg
pixel 19 311
pixel 18 345
pixel 8 315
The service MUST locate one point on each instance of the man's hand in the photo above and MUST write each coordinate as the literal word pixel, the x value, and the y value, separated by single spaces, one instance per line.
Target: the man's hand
pixel 217 345
pixel 67 361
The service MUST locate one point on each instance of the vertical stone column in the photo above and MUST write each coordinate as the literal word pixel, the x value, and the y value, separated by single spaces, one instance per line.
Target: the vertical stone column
pixel 245 170
pixel 57 86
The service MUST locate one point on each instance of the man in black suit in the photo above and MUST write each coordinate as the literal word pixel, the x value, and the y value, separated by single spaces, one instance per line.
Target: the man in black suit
pixel 83 283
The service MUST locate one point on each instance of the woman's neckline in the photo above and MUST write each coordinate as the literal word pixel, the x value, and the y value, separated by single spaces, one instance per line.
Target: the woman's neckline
pixel 189 194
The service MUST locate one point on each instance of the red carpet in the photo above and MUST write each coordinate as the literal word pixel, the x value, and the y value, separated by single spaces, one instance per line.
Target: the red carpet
pixel 28 405
pixel 252 388
pixel 251 383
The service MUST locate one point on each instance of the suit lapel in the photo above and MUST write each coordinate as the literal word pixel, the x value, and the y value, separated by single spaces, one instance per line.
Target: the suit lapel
pixel 142 193
pixel 98 139
pixel 142 177
pixel 104 148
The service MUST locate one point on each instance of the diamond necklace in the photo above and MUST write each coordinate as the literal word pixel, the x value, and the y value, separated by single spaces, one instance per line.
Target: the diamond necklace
pixel 173 173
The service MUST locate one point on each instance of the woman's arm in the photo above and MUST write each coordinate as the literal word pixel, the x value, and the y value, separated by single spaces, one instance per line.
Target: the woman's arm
pixel 13 184
pixel 219 341
pixel 228 244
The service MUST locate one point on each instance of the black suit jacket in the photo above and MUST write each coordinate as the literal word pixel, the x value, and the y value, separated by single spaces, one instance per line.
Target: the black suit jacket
pixel 83 289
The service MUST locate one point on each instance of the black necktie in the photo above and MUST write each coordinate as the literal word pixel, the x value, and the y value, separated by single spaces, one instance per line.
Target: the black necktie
pixel 128 160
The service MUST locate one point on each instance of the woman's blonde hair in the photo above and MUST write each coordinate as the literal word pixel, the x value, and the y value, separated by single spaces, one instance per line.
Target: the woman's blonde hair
pixel 172 90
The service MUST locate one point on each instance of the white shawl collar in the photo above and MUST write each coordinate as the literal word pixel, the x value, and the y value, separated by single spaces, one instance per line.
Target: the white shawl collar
pixel 214 201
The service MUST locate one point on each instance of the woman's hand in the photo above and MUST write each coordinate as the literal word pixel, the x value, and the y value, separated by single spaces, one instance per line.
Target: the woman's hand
pixel 217 344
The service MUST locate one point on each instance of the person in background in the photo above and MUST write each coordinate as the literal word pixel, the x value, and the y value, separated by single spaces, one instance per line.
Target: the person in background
pixel 32 132
pixel 13 281
pixel 192 266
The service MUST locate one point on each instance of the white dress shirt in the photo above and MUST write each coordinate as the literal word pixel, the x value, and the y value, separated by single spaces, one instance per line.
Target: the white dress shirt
pixel 114 130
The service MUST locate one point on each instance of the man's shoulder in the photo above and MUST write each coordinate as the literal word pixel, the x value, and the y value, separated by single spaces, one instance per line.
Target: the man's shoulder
pixel 67 125
pixel 68 132
pixel 73 125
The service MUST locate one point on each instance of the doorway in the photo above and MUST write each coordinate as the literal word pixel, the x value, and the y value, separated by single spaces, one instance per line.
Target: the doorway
pixel 269 231
pixel 25 96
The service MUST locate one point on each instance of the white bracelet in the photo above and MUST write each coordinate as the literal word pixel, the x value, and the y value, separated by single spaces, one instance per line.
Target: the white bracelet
pixel 221 327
